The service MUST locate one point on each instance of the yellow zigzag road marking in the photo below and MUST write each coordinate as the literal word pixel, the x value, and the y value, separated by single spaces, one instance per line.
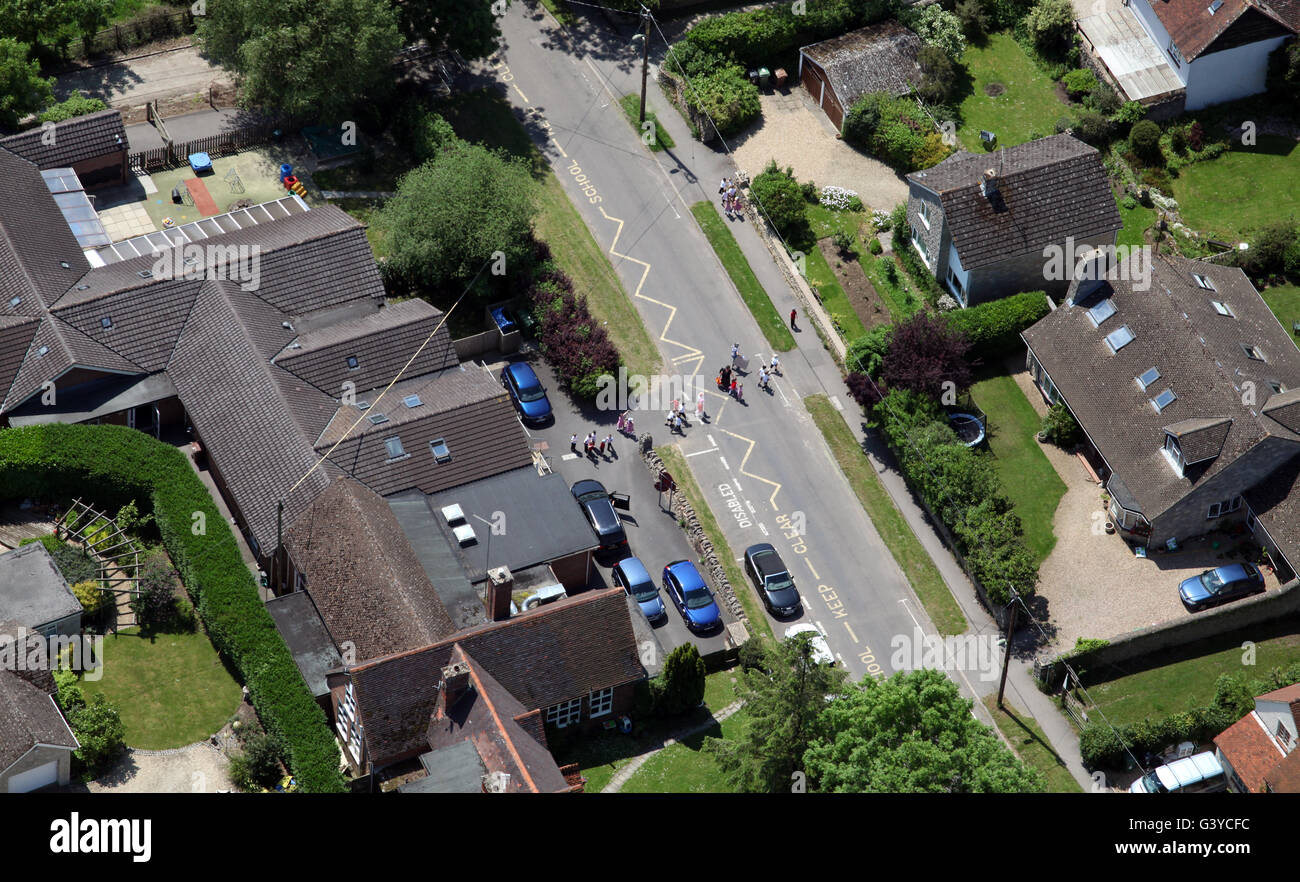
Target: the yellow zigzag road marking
pixel 777 487
pixel 691 351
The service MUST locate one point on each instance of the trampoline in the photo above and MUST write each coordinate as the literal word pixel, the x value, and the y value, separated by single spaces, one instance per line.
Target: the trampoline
pixel 969 428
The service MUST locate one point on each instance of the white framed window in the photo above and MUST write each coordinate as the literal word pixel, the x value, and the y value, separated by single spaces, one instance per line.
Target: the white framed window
pixel 348 724
pixel 1226 506
pixel 1102 311
pixel 1149 376
pixel 1284 735
pixel 441 452
pixel 601 702
pixel 1252 351
pixel 1174 454
pixel 1174 54
pixel 394 447
pixel 954 284
pixel 1163 400
pixel 566 713
pixel 1119 338
pixel 1222 308
pixel 1277 386
pixel 919 244
pixel 924 214
pixel 1204 281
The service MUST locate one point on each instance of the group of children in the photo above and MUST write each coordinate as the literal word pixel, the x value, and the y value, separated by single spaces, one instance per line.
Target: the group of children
pixel 728 380
pixel 731 203
pixel 590 446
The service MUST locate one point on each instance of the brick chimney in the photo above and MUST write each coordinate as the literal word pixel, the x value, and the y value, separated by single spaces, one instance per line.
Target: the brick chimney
pixel 496 782
pixel 455 683
pixel 499 587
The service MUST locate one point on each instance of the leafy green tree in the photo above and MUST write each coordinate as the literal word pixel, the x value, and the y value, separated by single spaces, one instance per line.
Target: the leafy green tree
pixel 974 20
pixel 781 199
pixel 938 75
pixel 939 27
pixel 911 733
pixel 1051 25
pixel 310 59
pixel 22 88
pixel 52 23
pixel 682 680
pixel 1144 138
pixel 100 732
pixel 263 754
pixel 468 28
pixel 71 107
pixel 783 694
pixel 453 213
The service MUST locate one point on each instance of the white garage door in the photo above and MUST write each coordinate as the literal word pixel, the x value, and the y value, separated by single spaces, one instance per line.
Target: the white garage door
pixel 32 779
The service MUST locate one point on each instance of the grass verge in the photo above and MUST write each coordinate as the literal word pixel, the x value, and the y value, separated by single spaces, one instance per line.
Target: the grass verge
pixel 742 275
pixel 171 689
pixel 1032 746
pixel 912 559
pixel 676 464
pixel 1030 482
pixel 631 105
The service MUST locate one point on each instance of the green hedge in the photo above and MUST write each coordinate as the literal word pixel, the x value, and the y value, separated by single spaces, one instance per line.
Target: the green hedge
pixel 114 465
pixel 770 37
pixel 993 328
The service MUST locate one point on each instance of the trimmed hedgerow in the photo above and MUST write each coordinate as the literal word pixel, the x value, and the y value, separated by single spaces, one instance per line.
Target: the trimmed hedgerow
pixel 114 465
pixel 993 328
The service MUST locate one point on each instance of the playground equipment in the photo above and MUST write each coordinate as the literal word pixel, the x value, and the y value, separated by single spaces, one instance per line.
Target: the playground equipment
pixel 291 183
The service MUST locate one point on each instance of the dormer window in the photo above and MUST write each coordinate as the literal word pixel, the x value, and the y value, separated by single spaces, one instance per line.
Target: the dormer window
pixel 1203 281
pixel 1163 400
pixel 1102 311
pixel 1149 376
pixel 394 447
pixel 1222 308
pixel 1174 454
pixel 1253 352
pixel 1119 338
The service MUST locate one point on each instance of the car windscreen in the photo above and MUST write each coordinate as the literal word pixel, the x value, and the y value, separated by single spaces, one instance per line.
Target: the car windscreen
pixel 531 393
pixel 783 594
pixel 698 597
pixel 644 592
pixel 1212 581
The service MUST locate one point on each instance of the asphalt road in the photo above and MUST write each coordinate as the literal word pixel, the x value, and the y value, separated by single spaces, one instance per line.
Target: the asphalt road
pixel 762 463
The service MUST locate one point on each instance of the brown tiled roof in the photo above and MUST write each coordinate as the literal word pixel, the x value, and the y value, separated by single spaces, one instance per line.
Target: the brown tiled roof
pixel 1199 356
pixel 1047 190
pixel 1285 776
pixel 877 58
pixel 382 343
pixel 28 717
pixel 1276 504
pixel 465 406
pixel 145 321
pixel 64 348
pixel 1286 695
pixel 1195 31
pixel 362 573
pixel 35 240
pixel 1250 751
pixel 558 652
pixel 74 140
pixel 1200 439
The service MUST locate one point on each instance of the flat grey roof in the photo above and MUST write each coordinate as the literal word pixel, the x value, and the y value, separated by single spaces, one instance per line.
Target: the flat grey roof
pixel 437 554
pixel 33 592
pixel 97 398
pixel 1129 53
pixel 457 768
pixel 303 630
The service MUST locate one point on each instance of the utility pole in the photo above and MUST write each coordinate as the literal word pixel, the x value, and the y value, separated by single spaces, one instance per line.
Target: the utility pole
pixel 1006 654
pixel 645 57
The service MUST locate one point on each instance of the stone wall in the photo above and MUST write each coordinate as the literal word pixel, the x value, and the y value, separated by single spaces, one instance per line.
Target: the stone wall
pixel 1265 608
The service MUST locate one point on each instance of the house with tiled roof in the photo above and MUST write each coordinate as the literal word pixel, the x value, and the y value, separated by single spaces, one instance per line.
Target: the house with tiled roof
pixel 34 594
pixel 878 58
pixel 1188 388
pixel 571 663
pixel 36 743
pixel 983 224
pixel 95 146
pixel 1258 752
pixel 1218 49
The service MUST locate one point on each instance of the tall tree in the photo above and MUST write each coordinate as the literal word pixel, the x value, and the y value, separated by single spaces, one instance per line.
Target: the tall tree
pixel 911 733
pixel 924 354
pixel 453 213
pixel 682 680
pixel 310 59
pixel 22 88
pixel 52 22
pixel 470 28
pixel 783 693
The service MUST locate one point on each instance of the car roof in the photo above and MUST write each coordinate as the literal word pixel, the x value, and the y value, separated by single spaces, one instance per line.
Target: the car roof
pixel 1189 770
pixel 770 560
pixel 801 628
pixel 522 371
pixel 587 485
pixel 1232 572
pixel 687 574
pixel 634 570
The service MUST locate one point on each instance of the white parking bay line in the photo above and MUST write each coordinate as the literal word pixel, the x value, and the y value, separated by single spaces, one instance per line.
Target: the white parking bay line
pixel 706 450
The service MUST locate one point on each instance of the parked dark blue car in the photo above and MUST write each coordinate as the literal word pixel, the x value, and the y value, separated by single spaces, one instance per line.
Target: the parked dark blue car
pixel 691 596
pixel 1220 585
pixel 526 392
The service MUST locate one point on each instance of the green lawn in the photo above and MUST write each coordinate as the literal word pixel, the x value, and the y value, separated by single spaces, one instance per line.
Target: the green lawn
pixel 832 295
pixel 600 755
pixel 172 689
pixel 631 105
pixel 742 275
pixel 1136 222
pixel 1185 683
pixel 1027 106
pixel 912 559
pixel 1284 300
pixel 685 767
pixel 1032 746
pixel 1027 477
pixel 1222 197
pixel 827 221
pixel 485 117
pixel 901 298
pixel 676 465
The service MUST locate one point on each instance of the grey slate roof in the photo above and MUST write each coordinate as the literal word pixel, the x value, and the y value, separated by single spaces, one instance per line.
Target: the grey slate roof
pixel 1199 356
pixel 362 573
pixel 75 140
pixel 33 592
pixel 35 240
pixel 28 717
pixel 1276 503
pixel 878 58
pixel 456 768
pixel 1047 190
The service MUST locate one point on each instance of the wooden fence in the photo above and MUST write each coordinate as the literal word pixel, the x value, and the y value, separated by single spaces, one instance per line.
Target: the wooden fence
pixel 158 24
pixel 174 155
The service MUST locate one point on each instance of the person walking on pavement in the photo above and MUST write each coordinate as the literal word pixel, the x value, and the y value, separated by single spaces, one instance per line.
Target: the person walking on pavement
pixel 762 378
pixel 794 314
pixel 732 389
pixel 735 350
pixel 740 392
pixel 699 407
pixel 573 442
pixel 776 364
pixel 725 374
pixel 602 447
pixel 609 440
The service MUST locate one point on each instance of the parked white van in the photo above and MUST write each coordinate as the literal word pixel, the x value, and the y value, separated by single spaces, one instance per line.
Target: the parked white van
pixel 1191 774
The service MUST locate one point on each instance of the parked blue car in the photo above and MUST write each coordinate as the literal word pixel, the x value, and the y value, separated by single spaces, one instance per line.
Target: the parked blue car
pixel 631 575
pixel 526 392
pixel 691 596
pixel 1220 585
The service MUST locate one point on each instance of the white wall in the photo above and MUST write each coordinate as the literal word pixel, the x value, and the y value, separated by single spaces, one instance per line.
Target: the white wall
pixel 1230 74
pixel 955 267
pixel 1274 712
pixel 1157 31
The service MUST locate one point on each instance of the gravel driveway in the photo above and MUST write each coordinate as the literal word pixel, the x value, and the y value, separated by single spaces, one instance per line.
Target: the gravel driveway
pixel 797 134
pixel 196 768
